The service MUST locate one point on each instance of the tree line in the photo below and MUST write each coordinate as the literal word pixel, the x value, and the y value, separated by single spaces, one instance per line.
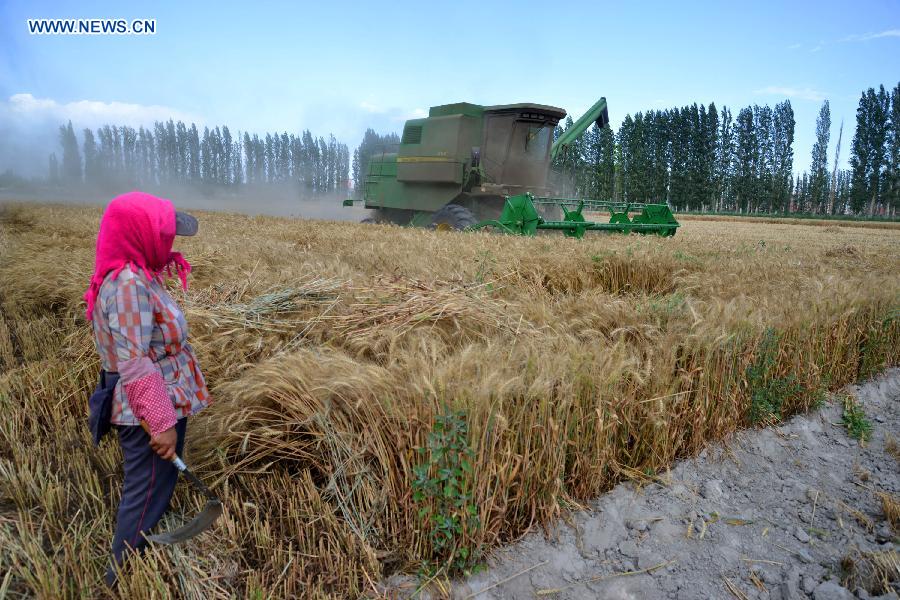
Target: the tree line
pixel 171 152
pixel 700 158
pixel 695 158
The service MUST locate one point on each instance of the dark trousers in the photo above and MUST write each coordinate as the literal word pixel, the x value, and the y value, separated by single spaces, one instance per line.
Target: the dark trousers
pixel 146 492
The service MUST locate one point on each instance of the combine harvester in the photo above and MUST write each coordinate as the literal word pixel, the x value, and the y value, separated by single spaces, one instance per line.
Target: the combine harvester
pixel 467 166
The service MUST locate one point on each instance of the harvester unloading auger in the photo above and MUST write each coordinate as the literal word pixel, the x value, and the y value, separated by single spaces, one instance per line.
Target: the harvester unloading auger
pixel 467 166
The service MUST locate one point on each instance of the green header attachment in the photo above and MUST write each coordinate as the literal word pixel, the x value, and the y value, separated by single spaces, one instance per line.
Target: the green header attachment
pixel 520 217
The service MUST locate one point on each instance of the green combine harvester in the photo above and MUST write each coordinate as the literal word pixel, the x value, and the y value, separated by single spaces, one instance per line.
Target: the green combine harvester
pixel 467 166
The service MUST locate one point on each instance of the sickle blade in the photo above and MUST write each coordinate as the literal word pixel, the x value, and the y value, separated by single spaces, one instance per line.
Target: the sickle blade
pixel 200 523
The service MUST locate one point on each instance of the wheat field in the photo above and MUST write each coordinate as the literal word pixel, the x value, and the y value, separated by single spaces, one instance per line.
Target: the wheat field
pixel 332 350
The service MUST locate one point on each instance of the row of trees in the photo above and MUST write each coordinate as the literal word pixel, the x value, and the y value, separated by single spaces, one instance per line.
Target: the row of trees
pixel 694 157
pixel 170 153
pixel 701 158
pixel 872 184
pixel 875 152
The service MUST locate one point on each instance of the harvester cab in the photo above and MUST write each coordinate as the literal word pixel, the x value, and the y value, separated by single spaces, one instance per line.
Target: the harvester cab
pixel 458 168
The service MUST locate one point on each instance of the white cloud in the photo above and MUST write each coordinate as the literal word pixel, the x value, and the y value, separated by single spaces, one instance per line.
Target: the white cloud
pixel 89 113
pixel 792 92
pixel 793 46
pixel 865 37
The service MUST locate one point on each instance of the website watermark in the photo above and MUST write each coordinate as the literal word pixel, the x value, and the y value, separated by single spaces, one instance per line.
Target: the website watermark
pixel 92 26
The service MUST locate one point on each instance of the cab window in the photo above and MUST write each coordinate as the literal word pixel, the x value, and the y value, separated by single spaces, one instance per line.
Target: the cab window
pixel 536 141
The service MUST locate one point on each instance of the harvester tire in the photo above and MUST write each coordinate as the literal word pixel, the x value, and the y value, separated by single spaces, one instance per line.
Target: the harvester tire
pixel 453 216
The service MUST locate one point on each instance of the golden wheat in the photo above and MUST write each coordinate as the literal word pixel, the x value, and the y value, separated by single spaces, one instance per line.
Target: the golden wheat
pixel 331 348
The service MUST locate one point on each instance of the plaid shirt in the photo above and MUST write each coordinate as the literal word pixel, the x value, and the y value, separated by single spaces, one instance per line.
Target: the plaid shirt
pixel 135 317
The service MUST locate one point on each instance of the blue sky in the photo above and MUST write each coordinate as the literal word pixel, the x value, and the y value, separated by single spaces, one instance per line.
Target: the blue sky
pixel 341 66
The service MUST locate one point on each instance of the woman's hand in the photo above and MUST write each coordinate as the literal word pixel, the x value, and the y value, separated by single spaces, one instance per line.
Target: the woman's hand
pixel 164 443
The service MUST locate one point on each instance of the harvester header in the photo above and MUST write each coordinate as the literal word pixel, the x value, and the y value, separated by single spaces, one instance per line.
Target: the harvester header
pixel 520 217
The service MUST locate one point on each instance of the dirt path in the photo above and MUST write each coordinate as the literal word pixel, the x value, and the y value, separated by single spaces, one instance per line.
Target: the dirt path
pixel 781 506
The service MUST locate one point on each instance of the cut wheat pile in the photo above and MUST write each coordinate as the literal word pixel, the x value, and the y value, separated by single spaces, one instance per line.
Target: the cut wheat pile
pixel 337 354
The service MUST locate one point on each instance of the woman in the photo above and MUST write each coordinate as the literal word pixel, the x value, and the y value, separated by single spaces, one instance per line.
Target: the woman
pixel 149 377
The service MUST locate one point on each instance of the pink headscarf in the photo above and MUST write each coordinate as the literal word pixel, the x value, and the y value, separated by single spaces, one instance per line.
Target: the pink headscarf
pixel 137 230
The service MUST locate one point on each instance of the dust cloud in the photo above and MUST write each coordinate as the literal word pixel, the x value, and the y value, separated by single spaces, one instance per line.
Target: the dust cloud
pixel 279 201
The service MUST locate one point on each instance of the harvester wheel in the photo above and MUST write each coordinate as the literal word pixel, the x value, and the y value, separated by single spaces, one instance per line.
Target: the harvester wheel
pixel 453 216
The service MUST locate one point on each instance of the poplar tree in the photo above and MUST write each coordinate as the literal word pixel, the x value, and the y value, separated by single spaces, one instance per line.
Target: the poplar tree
pixel 259 160
pixel 724 158
pixel 680 161
pixel 129 151
pixel 624 140
pixel 171 150
pixel 868 152
pixel 783 156
pixel 206 158
pixel 321 166
pixel 659 155
pixel 765 154
pixel 311 150
pixel 606 187
pixel 194 154
pixel 71 162
pixel 697 177
pixel 250 158
pixel 893 170
pixel 53 169
pixel 91 158
pixel 879 129
pixel 296 144
pixel 146 146
pixel 270 159
pixel 860 156
pixel 746 150
pixel 162 164
pixel 284 157
pixel 227 158
pixel 819 165
pixel 709 136
pixel 118 164
pixel 237 166
pixel 182 153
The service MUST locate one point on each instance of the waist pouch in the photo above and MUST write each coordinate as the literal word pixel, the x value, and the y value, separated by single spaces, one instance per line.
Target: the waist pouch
pixel 100 405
